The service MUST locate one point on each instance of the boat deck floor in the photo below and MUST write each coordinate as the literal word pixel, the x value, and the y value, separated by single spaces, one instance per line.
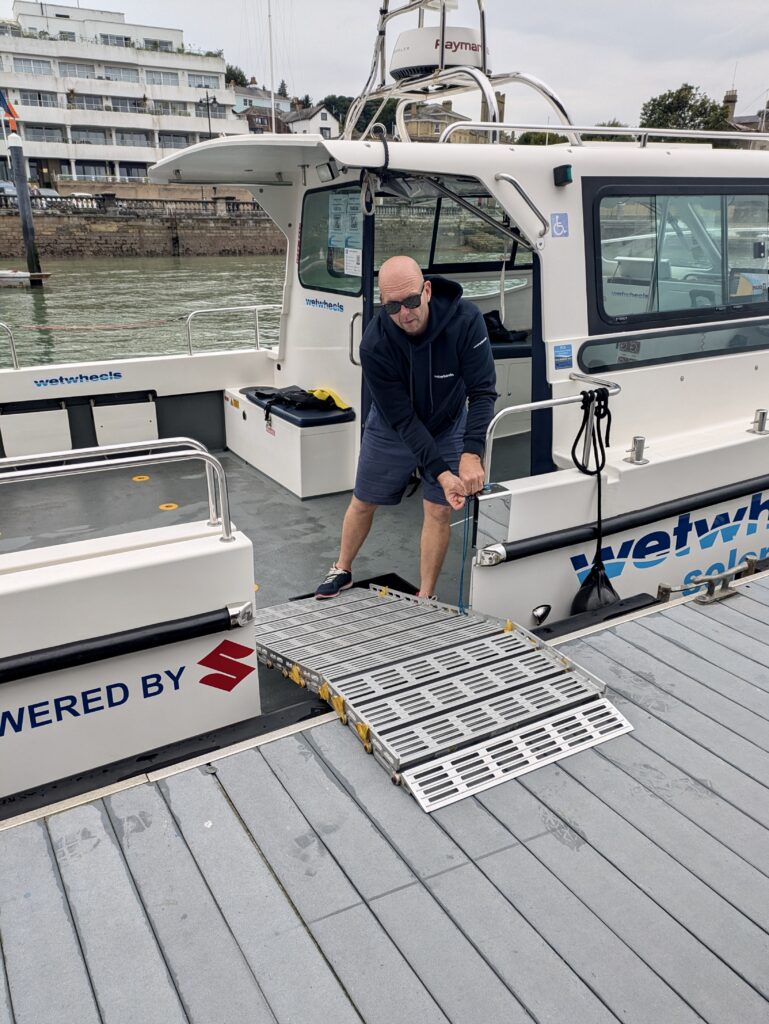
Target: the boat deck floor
pixel 292 882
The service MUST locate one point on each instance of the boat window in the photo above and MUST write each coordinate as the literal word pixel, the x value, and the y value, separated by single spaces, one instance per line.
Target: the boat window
pixel 403 226
pixel 331 241
pixel 463 238
pixel 603 354
pixel 681 256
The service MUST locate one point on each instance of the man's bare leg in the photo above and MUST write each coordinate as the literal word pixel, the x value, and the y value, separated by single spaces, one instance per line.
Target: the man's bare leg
pixel 355 528
pixel 436 532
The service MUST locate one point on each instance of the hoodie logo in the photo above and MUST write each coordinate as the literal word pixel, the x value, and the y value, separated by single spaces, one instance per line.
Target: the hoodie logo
pixel 442 376
pixel 481 342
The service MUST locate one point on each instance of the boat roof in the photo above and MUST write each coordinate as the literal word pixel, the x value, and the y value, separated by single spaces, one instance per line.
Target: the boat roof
pixel 278 159
pixel 289 879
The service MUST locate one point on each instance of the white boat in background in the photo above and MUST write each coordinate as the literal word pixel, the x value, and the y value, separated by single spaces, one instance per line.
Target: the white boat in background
pixel 19 278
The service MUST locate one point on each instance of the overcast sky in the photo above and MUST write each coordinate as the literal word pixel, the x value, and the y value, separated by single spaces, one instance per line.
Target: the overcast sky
pixel 603 58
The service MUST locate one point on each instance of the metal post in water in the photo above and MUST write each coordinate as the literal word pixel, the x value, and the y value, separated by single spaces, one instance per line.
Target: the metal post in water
pixel 19 175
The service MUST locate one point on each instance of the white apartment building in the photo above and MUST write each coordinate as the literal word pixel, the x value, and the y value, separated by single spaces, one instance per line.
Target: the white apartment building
pixel 100 99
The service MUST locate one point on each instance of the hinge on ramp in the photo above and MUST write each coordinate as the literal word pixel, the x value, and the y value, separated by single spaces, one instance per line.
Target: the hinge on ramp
pixel 450 704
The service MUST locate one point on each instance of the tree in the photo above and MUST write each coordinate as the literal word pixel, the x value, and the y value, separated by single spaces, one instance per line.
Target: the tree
pixel 540 139
pixel 687 108
pixel 236 75
pixel 283 89
pixel 306 101
pixel 611 123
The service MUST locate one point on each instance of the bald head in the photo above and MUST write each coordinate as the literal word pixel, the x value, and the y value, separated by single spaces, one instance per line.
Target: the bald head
pixel 400 278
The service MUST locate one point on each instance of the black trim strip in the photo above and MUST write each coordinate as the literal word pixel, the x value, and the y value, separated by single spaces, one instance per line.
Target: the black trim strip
pixel 517 549
pixel 113 645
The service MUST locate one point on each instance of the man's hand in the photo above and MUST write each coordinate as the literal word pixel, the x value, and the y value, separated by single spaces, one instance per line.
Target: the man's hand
pixel 471 473
pixel 453 489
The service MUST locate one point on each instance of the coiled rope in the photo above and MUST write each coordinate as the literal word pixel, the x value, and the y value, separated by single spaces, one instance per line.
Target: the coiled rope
pixel 595 411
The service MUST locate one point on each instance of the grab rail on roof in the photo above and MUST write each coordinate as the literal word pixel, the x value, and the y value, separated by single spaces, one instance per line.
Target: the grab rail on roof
pixel 642 134
pixel 75 462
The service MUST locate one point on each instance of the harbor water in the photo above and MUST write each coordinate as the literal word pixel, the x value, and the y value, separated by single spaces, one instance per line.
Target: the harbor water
pixel 116 308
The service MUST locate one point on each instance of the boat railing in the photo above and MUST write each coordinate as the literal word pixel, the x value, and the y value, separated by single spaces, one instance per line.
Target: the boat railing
pixel 643 135
pixel 14 355
pixel 73 462
pixel 256 310
pixel 549 403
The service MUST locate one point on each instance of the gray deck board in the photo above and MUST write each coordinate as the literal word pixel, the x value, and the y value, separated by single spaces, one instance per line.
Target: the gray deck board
pixel 744 887
pixel 6 1011
pixel 110 920
pixel 461 982
pixel 295 884
pixel 270 933
pixel 695 800
pixel 705 731
pixel 713 720
pixel 719 644
pixel 654 731
pixel 378 978
pixel 651 636
pixel 47 976
pixel 516 952
pixel 184 915
pixel 698 908
pixel 703 981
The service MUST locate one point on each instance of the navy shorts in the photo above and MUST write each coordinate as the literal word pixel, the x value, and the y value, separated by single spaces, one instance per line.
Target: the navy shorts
pixel 385 464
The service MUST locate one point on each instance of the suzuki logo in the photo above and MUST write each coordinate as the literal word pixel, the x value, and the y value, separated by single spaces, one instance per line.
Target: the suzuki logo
pixel 229 671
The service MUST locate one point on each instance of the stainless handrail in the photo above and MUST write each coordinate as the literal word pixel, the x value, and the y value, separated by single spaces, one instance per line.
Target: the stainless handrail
pixel 14 356
pixel 642 134
pixel 78 454
pixel 353 318
pixel 526 198
pixel 231 309
pixel 549 403
pixel 79 468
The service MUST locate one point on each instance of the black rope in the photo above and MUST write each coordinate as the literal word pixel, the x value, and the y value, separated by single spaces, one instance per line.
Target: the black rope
pixel 599 401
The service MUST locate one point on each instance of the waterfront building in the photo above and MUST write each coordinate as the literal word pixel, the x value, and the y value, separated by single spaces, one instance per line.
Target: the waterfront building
pixel 251 95
pixel 99 99
pixel 317 120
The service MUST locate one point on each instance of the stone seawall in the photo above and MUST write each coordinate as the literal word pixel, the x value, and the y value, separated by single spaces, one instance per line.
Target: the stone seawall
pixel 96 234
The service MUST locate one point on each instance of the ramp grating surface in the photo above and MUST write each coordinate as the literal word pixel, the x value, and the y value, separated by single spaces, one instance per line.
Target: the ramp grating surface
pixel 449 703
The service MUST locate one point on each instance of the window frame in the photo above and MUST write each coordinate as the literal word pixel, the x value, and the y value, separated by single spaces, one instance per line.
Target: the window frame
pixel 593 191
pixel 338 187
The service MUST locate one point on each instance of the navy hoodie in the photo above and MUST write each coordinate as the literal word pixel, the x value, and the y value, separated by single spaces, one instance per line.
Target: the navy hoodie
pixel 420 384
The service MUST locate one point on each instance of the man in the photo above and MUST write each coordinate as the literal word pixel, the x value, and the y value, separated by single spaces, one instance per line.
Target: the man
pixel 427 361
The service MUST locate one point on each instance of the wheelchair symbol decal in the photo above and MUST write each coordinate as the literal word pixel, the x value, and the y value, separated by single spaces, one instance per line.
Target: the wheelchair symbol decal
pixel 559 225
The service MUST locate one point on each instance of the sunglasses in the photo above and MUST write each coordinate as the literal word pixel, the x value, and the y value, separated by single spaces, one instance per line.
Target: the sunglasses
pixel 410 302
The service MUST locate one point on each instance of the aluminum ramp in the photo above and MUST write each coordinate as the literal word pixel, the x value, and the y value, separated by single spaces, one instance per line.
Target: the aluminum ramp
pixel 449 703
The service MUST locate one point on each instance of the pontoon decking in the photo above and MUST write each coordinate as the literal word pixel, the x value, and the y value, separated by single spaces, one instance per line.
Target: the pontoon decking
pixel 293 882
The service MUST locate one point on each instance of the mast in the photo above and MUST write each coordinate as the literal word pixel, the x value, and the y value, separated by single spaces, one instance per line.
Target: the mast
pixel 272 71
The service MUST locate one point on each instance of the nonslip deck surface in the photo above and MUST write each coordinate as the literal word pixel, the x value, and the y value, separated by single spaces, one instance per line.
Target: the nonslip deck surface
pixel 294 883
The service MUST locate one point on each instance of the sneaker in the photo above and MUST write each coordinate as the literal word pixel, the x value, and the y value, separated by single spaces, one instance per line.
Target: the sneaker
pixel 335 582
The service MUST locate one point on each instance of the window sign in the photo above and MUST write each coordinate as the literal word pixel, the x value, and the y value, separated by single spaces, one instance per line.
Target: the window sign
pixel 330 257
pixel 345 232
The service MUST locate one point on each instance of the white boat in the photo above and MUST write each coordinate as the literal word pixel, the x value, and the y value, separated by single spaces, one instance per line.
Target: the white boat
pixel 17 278
pixel 638 271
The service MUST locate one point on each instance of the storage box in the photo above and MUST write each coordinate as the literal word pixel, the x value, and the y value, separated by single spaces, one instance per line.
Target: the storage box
pixel 309 452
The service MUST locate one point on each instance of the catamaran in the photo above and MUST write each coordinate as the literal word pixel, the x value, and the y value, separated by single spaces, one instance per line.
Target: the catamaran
pixel 625 289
